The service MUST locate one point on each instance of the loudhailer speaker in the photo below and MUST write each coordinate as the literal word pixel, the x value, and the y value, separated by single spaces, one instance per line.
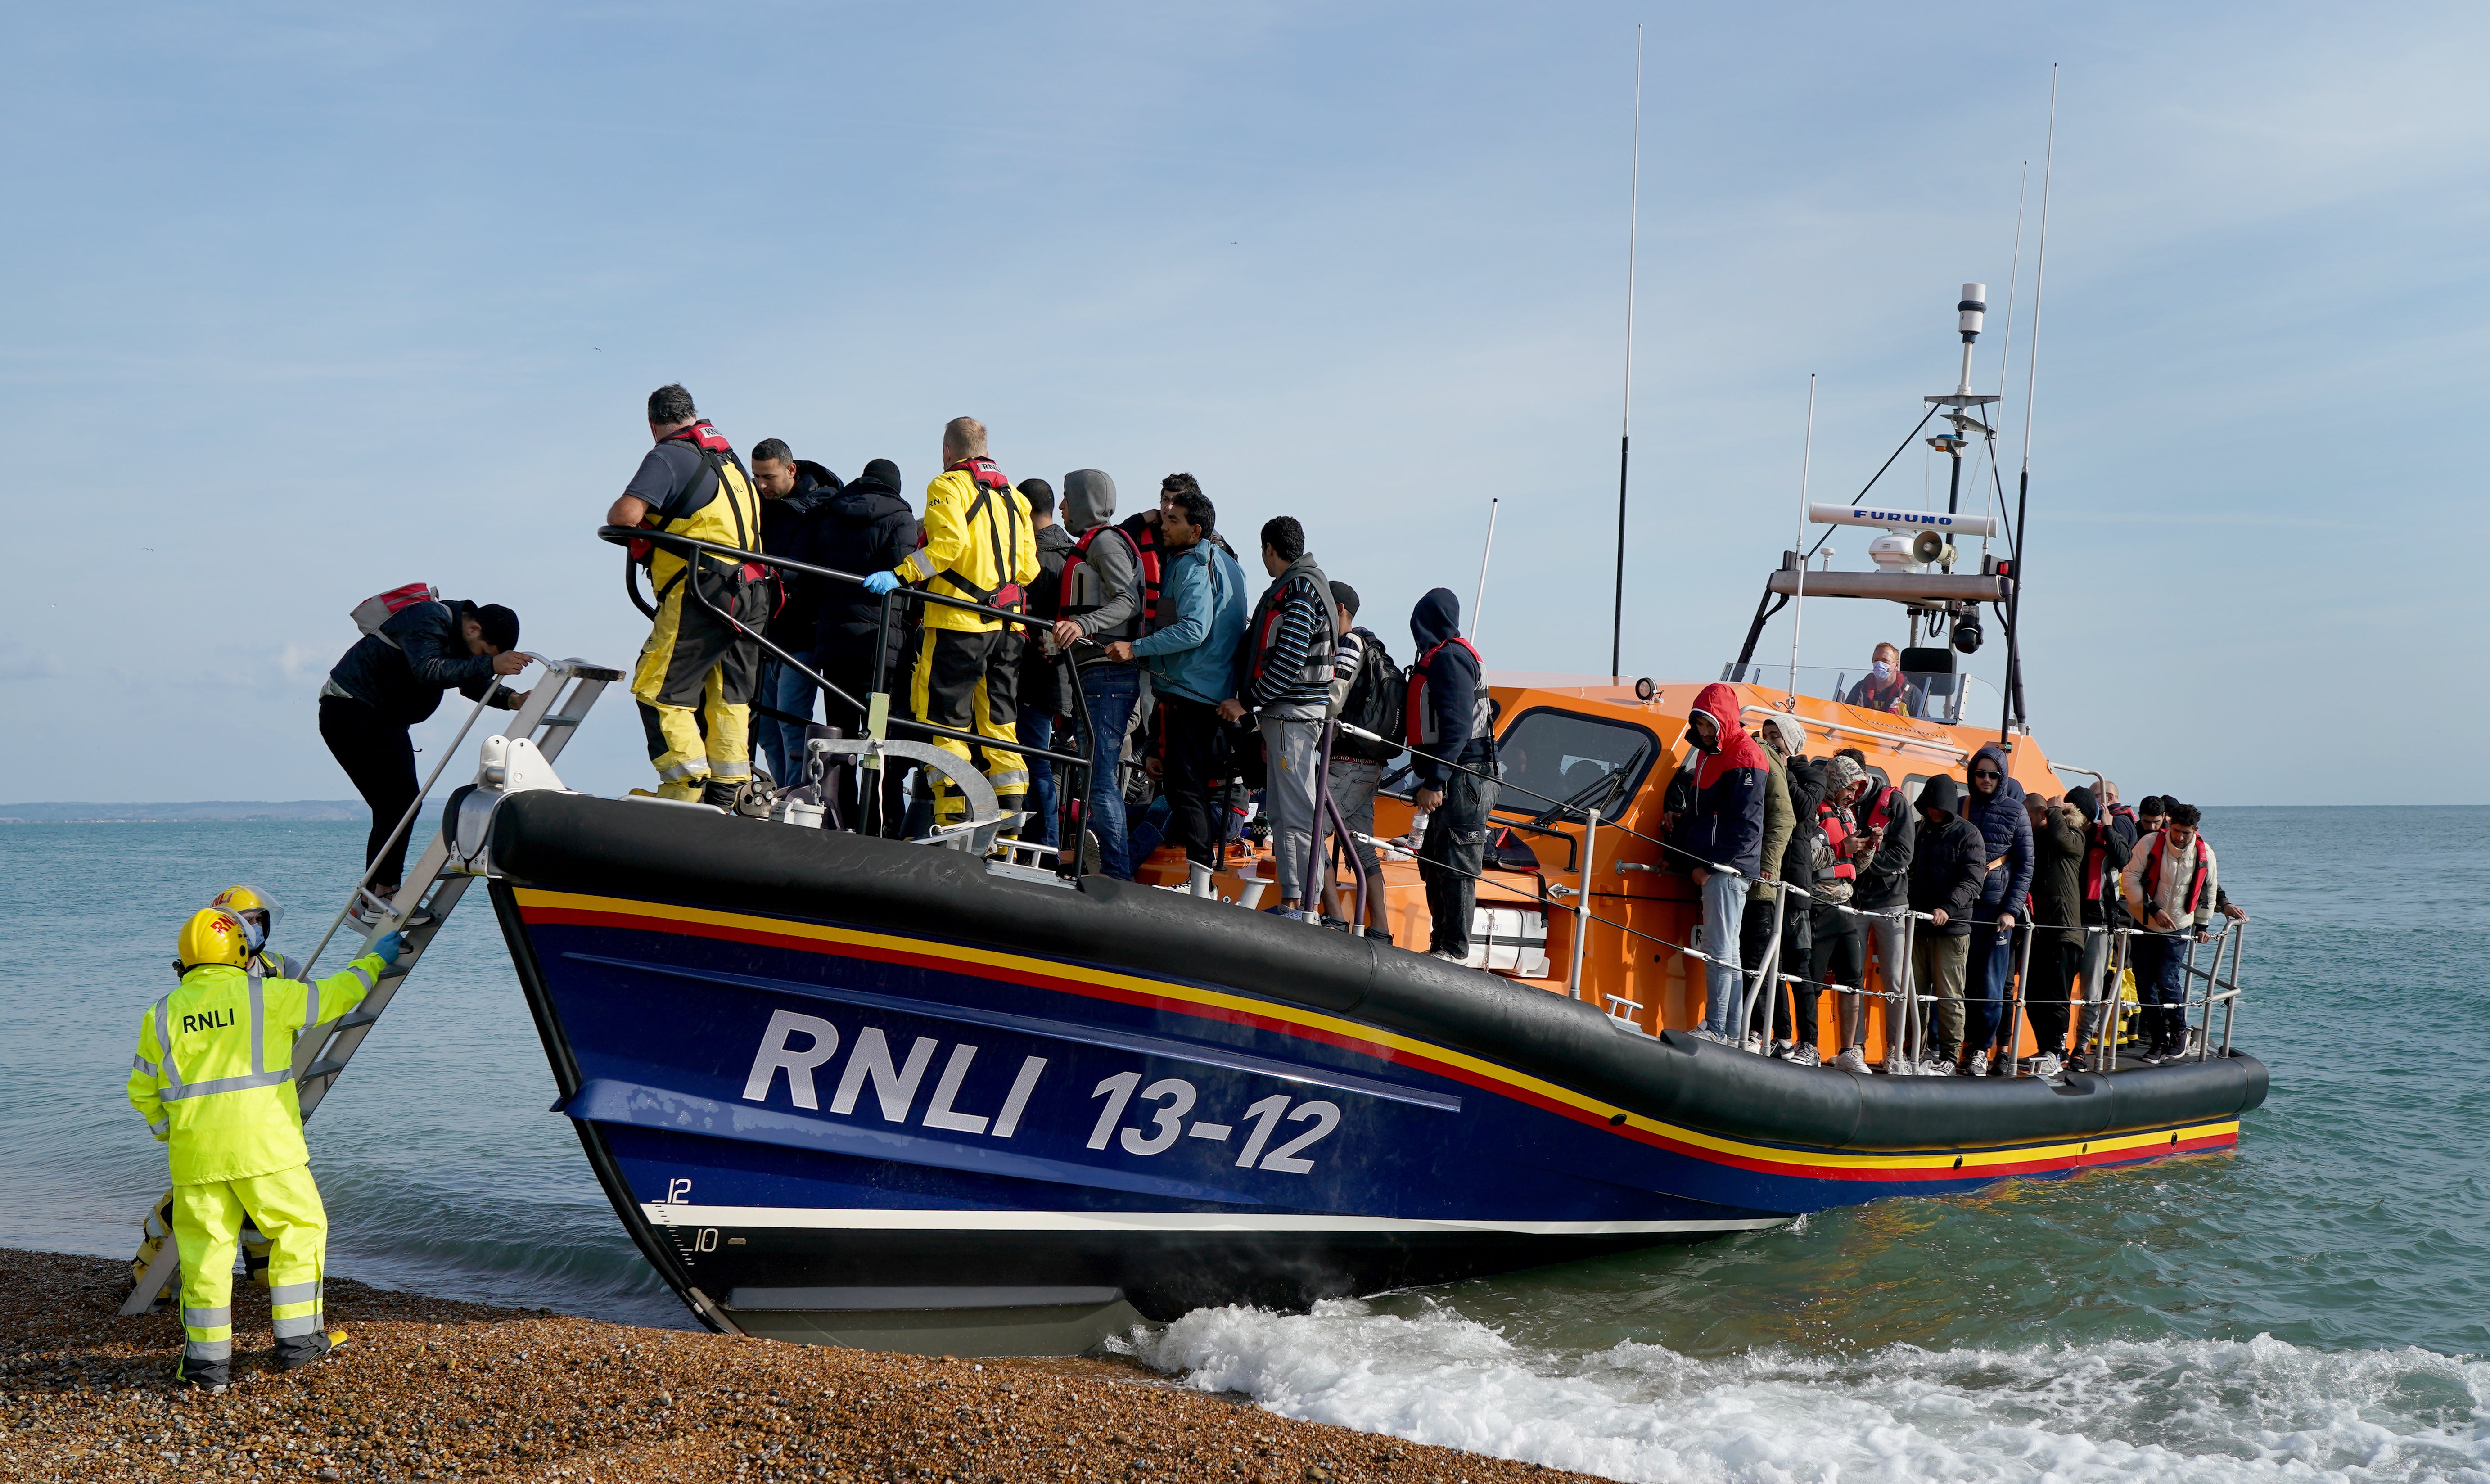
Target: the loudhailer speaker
pixel 1928 547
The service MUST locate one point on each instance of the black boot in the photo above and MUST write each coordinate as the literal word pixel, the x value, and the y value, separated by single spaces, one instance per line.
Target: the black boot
pixel 303 1350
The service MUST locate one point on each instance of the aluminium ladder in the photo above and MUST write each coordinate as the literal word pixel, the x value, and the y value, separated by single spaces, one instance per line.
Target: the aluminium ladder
pixel 553 710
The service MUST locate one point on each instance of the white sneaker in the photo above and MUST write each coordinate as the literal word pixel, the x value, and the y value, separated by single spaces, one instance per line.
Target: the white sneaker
pixel 1806 1056
pixel 1852 1060
pixel 1936 1069
pixel 1979 1064
pixel 1461 959
pixel 1784 1048
pixel 1755 1044
pixel 2045 1066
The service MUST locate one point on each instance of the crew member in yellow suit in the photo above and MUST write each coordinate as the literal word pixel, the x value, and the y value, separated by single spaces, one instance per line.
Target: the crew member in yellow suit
pixel 213 1078
pixel 702 663
pixel 980 545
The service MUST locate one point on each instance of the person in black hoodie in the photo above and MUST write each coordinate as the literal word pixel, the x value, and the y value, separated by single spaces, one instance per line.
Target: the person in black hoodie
pixel 867 527
pixel 391 680
pixel 794 493
pixel 1043 695
pixel 1949 866
pixel 1449 723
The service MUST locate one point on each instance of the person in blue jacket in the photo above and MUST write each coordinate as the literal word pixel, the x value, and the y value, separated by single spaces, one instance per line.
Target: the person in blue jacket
pixel 1191 655
pixel 1995 803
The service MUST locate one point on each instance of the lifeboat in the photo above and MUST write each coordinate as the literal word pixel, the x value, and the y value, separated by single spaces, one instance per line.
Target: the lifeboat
pixel 955 1096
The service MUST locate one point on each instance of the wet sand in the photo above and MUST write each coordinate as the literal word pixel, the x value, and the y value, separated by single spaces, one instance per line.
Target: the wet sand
pixel 430 1390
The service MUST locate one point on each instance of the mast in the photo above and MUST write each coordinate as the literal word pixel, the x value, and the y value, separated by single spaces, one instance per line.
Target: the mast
pixel 1806 461
pixel 1624 434
pixel 1478 597
pixel 2013 703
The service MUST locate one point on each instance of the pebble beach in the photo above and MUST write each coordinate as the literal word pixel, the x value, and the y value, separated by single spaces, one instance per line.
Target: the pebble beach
pixel 428 1390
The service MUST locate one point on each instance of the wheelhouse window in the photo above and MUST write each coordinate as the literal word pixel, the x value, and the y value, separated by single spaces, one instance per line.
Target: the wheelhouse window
pixel 1582 761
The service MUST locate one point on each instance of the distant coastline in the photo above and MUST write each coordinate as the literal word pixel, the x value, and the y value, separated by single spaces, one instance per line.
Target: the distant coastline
pixel 297 811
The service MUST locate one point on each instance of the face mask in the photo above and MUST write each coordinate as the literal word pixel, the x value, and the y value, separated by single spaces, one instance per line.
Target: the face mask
pixel 1883 670
pixel 254 934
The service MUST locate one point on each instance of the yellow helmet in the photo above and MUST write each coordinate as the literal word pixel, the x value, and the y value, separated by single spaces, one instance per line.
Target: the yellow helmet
pixel 259 911
pixel 214 935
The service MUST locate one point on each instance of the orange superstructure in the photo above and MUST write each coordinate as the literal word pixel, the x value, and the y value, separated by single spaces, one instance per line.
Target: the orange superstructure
pixel 1643 907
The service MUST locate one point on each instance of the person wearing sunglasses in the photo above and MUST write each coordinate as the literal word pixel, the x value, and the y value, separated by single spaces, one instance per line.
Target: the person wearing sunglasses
pixel 1995 803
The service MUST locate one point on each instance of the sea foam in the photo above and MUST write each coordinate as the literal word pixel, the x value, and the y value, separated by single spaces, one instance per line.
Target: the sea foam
pixel 2146 1410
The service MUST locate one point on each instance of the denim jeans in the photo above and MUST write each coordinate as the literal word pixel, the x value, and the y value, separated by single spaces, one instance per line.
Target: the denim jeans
pixel 1036 729
pixel 1725 912
pixel 782 741
pixel 1991 961
pixel 1110 691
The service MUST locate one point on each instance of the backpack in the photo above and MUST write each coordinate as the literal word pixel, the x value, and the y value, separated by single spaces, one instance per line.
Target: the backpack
pixel 381 607
pixel 1377 701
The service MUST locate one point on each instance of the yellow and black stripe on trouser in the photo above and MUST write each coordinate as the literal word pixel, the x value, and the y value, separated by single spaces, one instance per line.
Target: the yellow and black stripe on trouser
pixel 695 680
pixel 965 681
pixel 207 1222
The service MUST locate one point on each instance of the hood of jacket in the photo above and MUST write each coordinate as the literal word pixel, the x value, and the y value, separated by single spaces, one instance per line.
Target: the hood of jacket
pixel 2007 788
pixel 1942 793
pixel 814 487
pixel 1436 619
pixel 1088 500
pixel 1720 703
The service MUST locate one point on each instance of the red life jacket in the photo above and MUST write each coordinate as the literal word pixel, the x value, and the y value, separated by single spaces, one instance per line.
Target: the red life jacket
pixel 1836 834
pixel 990 482
pixel 700 435
pixel 1888 806
pixel 2097 877
pixel 2151 882
pixel 1263 635
pixel 1146 565
pixel 1420 717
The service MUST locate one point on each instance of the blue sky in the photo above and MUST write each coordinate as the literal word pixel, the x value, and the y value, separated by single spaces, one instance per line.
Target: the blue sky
pixel 305 304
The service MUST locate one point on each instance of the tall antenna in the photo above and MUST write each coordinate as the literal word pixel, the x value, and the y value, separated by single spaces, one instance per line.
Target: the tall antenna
pixel 1806 459
pixel 1625 435
pixel 1478 597
pixel 2023 485
pixel 2006 345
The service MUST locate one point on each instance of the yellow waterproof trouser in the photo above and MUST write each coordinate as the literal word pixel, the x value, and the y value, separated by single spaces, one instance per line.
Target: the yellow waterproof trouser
pixel 698 670
pixel 207 1222
pixel 965 681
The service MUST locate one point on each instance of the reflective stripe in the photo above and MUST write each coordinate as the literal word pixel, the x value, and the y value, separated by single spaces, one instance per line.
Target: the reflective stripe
pixel 360 972
pixel 293 1292
pixel 208 1319
pixel 258 1027
pixel 689 768
pixel 208 1349
pixel 923 561
pixel 295 1328
pixel 161 1129
pixel 1009 782
pixel 142 1064
pixel 227 1085
pixel 172 1073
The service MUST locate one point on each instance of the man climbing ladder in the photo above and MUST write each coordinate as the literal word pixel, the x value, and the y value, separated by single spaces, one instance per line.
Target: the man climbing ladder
pixel 214 1079
pixel 698 671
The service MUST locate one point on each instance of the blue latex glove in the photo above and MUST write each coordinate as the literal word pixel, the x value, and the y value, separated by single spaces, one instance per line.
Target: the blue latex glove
pixel 390 945
pixel 881 582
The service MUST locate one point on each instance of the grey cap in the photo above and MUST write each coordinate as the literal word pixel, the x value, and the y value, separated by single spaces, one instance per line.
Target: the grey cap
pixel 1846 773
pixel 1088 500
pixel 1793 736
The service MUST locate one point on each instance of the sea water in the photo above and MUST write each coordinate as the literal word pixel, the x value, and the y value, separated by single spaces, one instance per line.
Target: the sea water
pixel 2316 1304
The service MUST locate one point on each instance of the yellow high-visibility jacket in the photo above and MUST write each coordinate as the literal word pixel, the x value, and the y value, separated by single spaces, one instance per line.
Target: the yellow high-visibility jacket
pixel 214 1069
pixel 984 546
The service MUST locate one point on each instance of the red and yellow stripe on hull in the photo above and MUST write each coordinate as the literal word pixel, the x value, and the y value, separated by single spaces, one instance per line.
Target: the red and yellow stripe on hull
pixel 1969 1165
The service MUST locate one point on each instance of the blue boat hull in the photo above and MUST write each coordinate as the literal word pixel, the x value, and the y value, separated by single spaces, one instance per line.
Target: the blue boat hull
pixel 815 1072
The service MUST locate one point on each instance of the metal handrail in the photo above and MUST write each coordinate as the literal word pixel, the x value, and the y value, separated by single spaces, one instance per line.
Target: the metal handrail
pixel 624 535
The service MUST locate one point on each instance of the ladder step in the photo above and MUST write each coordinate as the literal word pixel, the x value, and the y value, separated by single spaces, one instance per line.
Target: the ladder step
pixel 397 971
pixel 326 1068
pixel 563 721
pixel 353 1018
